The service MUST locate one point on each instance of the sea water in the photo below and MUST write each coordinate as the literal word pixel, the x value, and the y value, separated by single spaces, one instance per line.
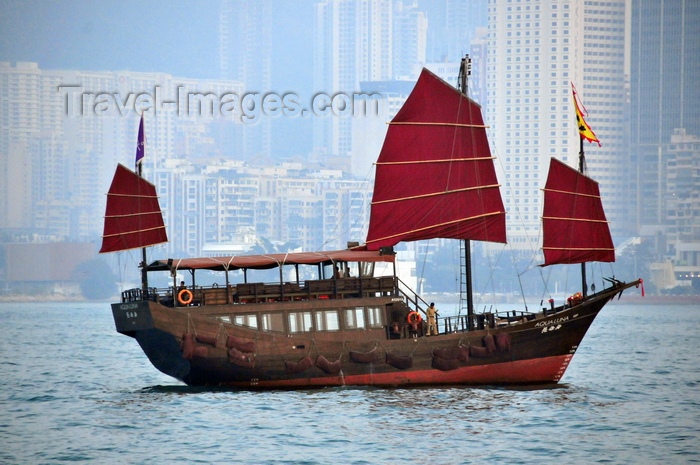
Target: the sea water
pixel 74 390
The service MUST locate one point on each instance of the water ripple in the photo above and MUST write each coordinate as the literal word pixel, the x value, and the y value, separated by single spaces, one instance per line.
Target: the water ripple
pixel 79 392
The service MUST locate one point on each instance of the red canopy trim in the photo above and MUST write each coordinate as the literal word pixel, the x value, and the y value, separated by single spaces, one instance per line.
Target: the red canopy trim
pixel 267 261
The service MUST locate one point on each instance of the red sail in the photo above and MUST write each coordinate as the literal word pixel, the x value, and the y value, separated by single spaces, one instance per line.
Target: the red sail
pixel 132 217
pixel 435 174
pixel 575 229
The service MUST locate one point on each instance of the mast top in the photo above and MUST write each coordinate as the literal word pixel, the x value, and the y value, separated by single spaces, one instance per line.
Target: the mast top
pixel 465 70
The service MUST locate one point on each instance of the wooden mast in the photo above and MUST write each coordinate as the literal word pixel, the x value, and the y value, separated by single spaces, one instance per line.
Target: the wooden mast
pixel 464 71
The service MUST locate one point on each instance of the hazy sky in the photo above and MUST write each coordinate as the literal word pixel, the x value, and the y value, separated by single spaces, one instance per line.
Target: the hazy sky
pixel 176 37
pixel 179 38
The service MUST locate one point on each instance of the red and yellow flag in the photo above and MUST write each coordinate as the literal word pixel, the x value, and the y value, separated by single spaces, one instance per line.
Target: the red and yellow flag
pixel 583 128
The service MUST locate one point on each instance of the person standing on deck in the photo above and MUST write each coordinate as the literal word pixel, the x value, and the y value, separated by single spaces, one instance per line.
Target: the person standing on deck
pixel 432 313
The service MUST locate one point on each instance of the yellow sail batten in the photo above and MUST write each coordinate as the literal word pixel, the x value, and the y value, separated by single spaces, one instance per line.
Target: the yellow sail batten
pixel 417 230
pixel 445 160
pixel 434 194
pixel 418 123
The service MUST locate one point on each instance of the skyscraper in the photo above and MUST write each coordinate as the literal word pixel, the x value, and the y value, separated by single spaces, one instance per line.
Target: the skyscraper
pixel 453 24
pixel 362 41
pixel 536 49
pixel 410 39
pixel 62 132
pixel 353 43
pixel 245 55
pixel 665 134
pixel 665 65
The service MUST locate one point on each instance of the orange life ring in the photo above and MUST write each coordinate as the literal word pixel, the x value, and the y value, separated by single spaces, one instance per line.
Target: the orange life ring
pixel 185 297
pixel 413 318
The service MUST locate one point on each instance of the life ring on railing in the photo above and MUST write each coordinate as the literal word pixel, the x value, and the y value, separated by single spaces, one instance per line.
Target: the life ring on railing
pixel 185 297
pixel 414 318
pixel 575 299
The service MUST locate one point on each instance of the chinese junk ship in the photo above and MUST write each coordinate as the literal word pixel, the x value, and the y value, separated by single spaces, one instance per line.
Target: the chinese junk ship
pixel 331 319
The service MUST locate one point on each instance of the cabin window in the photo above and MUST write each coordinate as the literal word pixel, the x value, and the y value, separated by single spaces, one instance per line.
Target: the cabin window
pixel 300 322
pixel 374 317
pixel 272 321
pixel 327 320
pixel 355 318
pixel 249 320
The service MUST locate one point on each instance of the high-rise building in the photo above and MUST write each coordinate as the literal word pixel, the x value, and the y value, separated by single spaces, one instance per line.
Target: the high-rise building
pixel 536 49
pixel 245 55
pixel 217 204
pixel 362 41
pixel 682 206
pixel 410 39
pixel 62 132
pixel 664 135
pixel 453 25
pixel 353 43
pixel 665 65
pixel 20 121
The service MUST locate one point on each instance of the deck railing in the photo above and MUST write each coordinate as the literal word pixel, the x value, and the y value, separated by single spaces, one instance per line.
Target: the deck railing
pixel 340 288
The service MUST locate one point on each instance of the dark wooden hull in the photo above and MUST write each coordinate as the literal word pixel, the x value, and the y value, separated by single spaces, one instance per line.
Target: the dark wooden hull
pixel 193 345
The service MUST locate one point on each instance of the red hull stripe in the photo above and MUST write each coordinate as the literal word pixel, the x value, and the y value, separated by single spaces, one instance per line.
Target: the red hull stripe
pixel 542 370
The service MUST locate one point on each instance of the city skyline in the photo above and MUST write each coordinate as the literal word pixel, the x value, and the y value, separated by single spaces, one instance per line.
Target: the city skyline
pixel 526 53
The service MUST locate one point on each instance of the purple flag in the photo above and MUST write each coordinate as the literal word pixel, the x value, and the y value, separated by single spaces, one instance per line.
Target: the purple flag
pixel 140 148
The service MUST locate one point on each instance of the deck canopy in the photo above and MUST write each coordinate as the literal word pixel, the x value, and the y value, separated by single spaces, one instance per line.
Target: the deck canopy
pixel 268 261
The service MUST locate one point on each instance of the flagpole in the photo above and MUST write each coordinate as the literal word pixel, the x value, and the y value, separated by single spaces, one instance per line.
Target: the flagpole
pixel 585 132
pixel 581 166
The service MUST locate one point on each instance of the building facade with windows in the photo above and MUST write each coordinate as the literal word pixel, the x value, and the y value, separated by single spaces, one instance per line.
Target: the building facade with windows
pixel 536 49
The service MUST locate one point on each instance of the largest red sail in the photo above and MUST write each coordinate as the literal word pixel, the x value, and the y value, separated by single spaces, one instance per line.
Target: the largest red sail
pixel 132 216
pixel 575 229
pixel 435 174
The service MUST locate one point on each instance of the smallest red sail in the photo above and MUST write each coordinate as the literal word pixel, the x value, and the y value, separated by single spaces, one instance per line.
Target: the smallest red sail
pixel 132 217
pixel 575 229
